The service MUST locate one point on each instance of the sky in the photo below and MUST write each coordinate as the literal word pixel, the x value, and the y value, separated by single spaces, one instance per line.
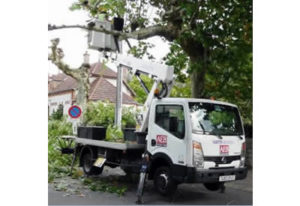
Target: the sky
pixel 74 41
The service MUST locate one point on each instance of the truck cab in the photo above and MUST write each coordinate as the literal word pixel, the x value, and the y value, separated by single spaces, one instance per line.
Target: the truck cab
pixel 196 141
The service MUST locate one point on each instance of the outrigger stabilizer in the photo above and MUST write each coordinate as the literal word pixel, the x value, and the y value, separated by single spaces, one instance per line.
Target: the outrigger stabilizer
pixel 142 180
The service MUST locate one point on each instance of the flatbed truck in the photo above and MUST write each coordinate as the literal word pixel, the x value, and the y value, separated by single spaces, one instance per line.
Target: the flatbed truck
pixel 179 140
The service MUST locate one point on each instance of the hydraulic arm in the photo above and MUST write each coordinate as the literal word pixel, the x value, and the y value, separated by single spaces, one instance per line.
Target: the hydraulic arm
pixel 162 74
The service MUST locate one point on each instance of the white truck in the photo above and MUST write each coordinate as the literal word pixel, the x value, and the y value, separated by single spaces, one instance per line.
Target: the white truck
pixel 179 140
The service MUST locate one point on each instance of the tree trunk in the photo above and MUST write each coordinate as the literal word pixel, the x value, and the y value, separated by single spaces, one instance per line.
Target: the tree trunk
pixel 197 83
pixel 83 91
pixel 81 75
pixel 198 66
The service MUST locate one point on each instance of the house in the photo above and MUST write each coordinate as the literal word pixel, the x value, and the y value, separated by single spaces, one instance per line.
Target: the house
pixel 103 82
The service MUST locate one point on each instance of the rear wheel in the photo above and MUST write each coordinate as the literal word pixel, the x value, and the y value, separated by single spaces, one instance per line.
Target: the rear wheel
pixel 163 181
pixel 87 165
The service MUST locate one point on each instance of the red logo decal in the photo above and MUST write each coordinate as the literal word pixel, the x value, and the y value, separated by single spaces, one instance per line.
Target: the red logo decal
pixel 224 149
pixel 161 140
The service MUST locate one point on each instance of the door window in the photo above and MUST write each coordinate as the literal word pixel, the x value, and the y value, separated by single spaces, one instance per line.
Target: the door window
pixel 171 118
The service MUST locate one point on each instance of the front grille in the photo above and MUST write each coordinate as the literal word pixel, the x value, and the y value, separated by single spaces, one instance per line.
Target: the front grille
pixel 218 160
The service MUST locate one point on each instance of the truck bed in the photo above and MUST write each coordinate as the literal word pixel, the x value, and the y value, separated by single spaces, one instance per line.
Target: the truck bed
pixel 111 145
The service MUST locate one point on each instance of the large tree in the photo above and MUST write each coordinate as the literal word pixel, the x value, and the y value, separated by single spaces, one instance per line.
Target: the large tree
pixel 210 35
pixel 206 30
pixel 81 74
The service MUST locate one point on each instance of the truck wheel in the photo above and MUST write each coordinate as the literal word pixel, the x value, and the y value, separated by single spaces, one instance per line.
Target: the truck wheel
pixel 163 181
pixel 213 186
pixel 87 165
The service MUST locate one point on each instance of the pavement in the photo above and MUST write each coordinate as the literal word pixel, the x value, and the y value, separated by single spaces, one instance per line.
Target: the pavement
pixel 243 185
pixel 236 193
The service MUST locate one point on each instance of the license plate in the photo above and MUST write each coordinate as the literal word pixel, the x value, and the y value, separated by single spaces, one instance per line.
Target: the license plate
pixel 99 162
pixel 226 178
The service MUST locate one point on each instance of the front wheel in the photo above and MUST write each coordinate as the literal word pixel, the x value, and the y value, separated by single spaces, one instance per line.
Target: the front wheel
pixel 163 181
pixel 87 165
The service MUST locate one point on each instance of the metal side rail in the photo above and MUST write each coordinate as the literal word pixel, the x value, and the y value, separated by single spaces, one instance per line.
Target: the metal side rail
pixel 111 145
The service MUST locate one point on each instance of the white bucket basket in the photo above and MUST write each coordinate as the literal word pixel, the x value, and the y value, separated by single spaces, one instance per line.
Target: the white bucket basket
pixel 101 41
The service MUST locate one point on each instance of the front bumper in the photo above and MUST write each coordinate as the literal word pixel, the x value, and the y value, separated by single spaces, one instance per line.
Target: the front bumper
pixel 212 175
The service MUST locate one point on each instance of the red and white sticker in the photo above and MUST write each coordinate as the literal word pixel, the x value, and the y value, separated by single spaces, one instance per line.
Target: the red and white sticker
pixel 161 140
pixel 224 149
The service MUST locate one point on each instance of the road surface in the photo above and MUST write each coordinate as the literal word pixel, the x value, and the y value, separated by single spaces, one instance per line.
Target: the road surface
pixel 237 193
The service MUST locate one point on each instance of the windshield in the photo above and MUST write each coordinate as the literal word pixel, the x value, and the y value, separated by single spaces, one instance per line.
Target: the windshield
pixel 215 119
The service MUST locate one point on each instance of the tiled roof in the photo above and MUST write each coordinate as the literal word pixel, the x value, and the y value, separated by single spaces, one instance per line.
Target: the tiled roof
pixel 65 82
pixel 68 83
pixel 100 88
pixel 99 69
pixel 57 77
pixel 103 90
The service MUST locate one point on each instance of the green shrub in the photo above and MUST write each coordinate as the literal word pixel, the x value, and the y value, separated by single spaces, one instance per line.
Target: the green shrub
pixel 103 114
pixel 128 117
pixel 58 114
pixel 58 164
pixel 114 134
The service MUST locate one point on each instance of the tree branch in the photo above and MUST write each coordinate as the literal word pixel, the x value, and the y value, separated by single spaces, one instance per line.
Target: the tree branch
pixel 56 57
pixel 144 33
pixel 128 43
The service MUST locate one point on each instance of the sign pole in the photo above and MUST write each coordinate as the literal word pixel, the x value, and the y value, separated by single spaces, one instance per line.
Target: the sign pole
pixel 74 113
pixel 118 111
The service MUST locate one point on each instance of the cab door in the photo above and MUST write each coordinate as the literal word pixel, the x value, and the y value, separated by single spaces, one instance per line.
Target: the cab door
pixel 167 132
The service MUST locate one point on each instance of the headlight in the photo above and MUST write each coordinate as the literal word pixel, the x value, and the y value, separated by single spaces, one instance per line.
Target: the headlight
pixel 198 159
pixel 243 155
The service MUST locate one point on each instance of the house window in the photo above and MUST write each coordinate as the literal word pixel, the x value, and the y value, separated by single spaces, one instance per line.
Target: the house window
pixel 171 119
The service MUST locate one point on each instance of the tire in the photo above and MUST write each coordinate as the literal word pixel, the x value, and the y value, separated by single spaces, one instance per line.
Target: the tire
pixel 213 186
pixel 87 165
pixel 163 181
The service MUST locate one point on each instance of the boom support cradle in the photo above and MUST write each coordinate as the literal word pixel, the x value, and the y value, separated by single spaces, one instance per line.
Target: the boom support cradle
pixel 159 72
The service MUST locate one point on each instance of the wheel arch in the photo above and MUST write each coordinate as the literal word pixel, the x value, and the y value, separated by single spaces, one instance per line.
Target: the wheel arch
pixel 158 160
pixel 85 149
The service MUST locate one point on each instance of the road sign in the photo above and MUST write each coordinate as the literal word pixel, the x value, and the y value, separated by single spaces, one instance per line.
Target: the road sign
pixel 74 111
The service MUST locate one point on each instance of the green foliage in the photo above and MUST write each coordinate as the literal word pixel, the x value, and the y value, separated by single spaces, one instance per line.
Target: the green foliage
pixel 99 114
pixel 229 77
pixel 179 60
pixel 58 114
pixel 103 186
pixel 111 7
pixel 233 85
pixel 128 117
pixel 103 113
pixel 179 89
pixel 114 134
pixel 141 50
pixel 222 29
pixel 217 118
pixel 57 163
pixel 182 90
pixel 135 85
